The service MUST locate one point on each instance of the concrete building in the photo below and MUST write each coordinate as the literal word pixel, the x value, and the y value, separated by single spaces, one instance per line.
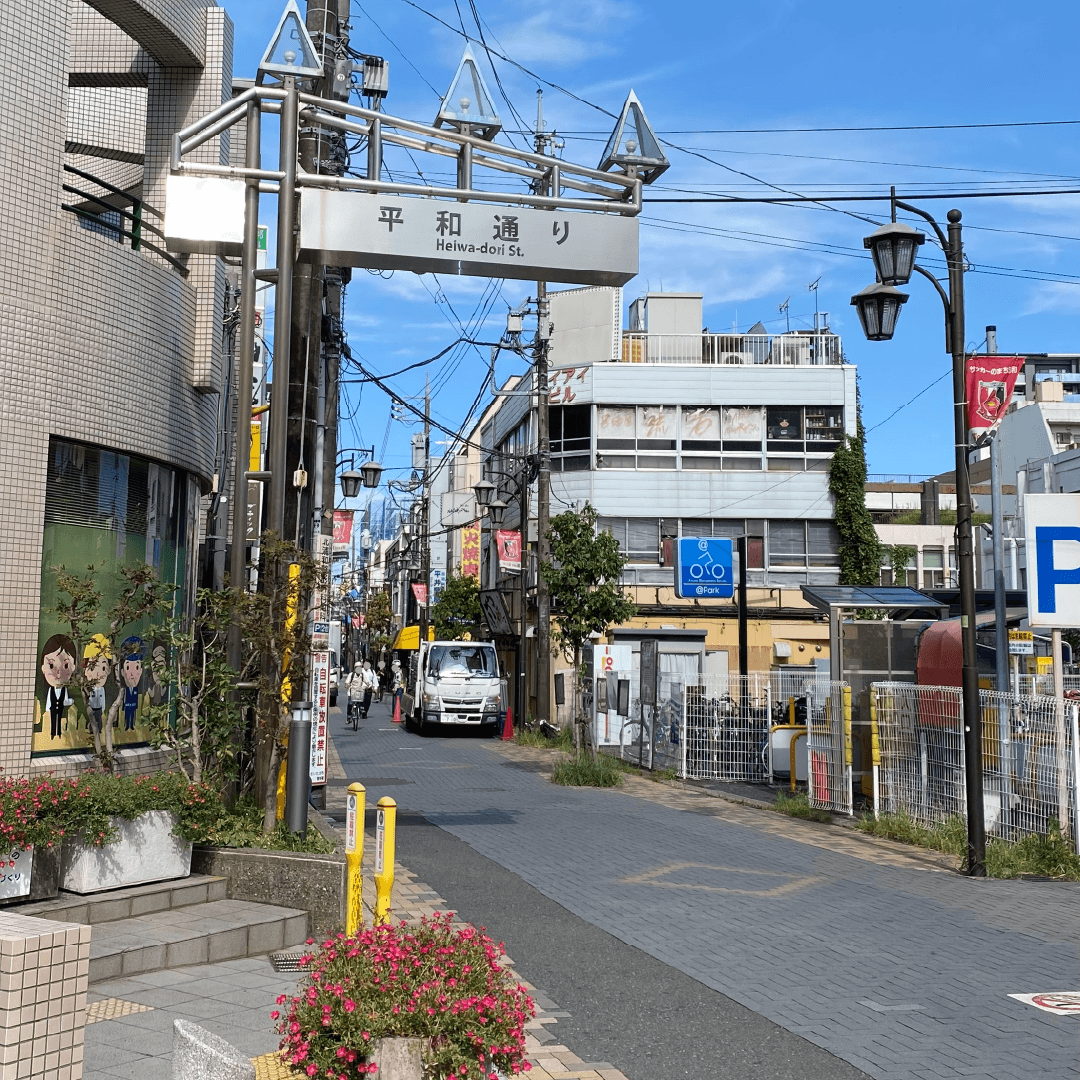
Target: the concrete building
pixel 668 431
pixel 111 352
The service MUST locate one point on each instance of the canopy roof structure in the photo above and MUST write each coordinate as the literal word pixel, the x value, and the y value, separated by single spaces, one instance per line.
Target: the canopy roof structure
pixel 880 598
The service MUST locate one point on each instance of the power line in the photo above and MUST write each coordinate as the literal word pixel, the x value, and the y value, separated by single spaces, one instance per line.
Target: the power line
pixel 910 402
pixel 810 130
pixel 860 198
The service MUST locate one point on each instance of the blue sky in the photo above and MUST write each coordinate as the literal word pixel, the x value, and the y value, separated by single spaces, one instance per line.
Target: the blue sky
pixel 705 73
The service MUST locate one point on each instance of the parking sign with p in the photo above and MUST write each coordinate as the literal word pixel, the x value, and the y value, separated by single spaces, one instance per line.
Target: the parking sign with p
pixel 1053 559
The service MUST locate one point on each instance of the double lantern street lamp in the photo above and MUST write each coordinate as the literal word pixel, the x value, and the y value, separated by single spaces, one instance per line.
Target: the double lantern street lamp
pixel 894 248
pixel 368 475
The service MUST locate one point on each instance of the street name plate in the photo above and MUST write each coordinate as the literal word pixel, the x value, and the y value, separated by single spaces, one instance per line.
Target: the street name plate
pixel 391 232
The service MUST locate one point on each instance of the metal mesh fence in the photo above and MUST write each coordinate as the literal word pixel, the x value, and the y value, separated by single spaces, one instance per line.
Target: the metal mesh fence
pixel 1029 759
pixel 725 726
pixel 828 743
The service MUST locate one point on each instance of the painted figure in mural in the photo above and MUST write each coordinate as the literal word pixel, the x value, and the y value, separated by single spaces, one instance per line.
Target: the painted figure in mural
pixel 57 665
pixel 96 664
pixel 131 671
pixel 157 673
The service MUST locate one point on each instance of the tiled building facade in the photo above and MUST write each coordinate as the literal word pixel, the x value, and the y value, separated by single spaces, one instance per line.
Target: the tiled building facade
pixel 110 357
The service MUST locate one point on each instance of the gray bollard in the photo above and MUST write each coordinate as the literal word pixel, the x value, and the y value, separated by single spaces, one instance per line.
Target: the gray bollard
pixel 200 1055
pixel 298 773
pixel 398 1058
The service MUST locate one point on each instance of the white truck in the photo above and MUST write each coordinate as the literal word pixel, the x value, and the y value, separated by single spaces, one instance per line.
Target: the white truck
pixel 456 683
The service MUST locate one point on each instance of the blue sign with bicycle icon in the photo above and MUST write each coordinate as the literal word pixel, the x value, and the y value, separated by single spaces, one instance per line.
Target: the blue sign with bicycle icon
pixel 703 567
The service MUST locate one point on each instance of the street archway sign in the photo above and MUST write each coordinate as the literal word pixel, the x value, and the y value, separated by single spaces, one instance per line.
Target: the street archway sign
pixel 395 232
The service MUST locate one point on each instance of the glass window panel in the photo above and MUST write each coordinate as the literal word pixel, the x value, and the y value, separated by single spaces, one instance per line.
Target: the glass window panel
pixel 723 527
pixel 742 464
pixel 787 543
pixel 822 538
pixel 698 461
pixel 655 461
pixel 576 422
pixel 933 558
pixel 615 461
pixel 744 424
pixel 615 526
pixel 821 465
pixel 784 422
pixel 824 423
pixel 696 527
pixel 643 539
pixel 700 428
pixel 656 427
pixel 780 464
pixel 615 422
pixel 575 463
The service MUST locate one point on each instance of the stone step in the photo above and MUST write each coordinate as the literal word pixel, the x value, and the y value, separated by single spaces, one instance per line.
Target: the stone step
pixel 194 934
pixel 115 904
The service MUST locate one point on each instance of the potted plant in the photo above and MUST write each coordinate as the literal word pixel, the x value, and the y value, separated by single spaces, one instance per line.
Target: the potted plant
pixel 441 986
pixel 33 822
pixel 128 830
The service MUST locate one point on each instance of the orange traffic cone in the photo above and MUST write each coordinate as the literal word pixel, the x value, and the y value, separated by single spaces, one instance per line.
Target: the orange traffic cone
pixel 397 709
pixel 508 726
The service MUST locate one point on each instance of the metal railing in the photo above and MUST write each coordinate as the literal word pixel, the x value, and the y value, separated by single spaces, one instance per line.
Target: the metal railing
pixel 109 212
pixel 725 728
pixel 1029 758
pixel 784 350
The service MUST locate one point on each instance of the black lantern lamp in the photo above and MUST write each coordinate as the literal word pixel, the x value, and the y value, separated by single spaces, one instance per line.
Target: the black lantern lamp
pixel 893 248
pixel 497 512
pixel 879 307
pixel 350 483
pixel 483 490
pixel 371 472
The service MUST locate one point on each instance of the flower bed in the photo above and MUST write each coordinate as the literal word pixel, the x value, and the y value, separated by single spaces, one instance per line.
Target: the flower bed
pixel 431 981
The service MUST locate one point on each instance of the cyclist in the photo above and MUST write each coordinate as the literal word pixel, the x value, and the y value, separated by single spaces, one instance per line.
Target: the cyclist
pixel 355 687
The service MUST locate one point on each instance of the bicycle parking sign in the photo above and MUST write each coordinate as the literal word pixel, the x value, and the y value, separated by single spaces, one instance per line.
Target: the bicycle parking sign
pixel 703 567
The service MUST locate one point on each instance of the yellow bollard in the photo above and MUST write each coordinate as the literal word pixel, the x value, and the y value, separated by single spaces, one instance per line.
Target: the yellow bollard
pixel 384 858
pixel 355 804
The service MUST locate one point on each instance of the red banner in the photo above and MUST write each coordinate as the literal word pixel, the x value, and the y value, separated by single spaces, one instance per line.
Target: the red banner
pixel 420 592
pixel 509 547
pixel 343 525
pixel 989 382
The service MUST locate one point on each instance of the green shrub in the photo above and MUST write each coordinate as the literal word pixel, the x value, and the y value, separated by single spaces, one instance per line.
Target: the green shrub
pixel 563 741
pixel 799 806
pixel 583 770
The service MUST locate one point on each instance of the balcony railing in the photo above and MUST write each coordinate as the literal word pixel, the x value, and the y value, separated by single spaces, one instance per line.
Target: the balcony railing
pixel 109 212
pixel 784 350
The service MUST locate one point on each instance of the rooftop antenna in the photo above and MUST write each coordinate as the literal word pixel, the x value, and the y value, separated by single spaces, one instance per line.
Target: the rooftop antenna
pixel 813 287
pixel 784 307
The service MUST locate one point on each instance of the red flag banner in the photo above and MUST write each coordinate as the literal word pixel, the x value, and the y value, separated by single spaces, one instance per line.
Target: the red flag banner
pixel 343 525
pixel 509 545
pixel 420 592
pixel 989 381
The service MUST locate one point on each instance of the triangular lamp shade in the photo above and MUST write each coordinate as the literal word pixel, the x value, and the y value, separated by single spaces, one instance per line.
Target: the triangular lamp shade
pixel 633 142
pixel 468 101
pixel 291 50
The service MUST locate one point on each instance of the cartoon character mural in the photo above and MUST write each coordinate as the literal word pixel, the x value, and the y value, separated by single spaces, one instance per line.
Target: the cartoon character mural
pixel 131 672
pixel 57 667
pixel 97 662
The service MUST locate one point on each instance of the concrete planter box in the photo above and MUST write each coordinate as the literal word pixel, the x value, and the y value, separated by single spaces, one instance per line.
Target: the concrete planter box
pixel 145 851
pixel 313 883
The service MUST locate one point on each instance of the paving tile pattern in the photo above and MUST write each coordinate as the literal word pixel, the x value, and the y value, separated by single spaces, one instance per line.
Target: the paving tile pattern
pixel 801 923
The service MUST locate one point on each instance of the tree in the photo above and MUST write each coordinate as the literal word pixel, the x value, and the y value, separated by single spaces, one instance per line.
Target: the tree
pixel 860 549
pixel 901 556
pixel 457 612
pixel 583 579
pixel 103 638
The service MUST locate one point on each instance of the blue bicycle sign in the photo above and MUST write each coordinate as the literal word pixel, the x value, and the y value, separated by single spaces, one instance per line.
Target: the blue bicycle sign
pixel 703 567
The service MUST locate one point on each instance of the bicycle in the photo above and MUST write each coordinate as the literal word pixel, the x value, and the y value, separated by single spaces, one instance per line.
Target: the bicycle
pixel 354 713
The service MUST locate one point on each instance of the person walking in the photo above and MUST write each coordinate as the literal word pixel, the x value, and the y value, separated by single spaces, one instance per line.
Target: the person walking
pixel 381 675
pixel 397 681
pixel 370 684
pixel 355 688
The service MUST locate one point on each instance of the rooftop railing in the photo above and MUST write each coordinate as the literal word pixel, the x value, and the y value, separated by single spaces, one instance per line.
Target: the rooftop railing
pixel 784 350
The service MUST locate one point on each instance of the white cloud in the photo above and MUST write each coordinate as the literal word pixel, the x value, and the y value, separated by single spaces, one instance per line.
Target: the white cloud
pixel 1053 296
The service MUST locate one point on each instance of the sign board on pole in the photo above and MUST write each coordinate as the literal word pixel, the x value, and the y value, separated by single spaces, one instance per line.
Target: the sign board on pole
pixel 990 381
pixel 1021 643
pixel 343 527
pixel 470 551
pixel 703 567
pixel 419 590
pixel 320 680
pixel 1053 559
pixel 650 667
pixel 508 544
pixel 496 614
pixel 395 232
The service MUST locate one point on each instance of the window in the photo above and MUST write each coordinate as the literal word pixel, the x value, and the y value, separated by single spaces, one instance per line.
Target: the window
pixel 638 538
pixel 800 543
pixel 570 437
pixel 822 543
pixel 933 561
pixel 824 428
pixel 700 429
pixel 648 428
pixel 784 428
pixel 743 427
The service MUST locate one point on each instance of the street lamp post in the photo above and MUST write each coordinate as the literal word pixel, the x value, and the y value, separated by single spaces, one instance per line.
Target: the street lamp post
pixel 894 248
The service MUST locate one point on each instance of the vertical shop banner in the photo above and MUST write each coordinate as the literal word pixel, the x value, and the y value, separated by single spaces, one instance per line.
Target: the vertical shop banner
pixel 508 542
pixel 343 526
pixel 320 680
pixel 436 585
pixel 470 551
pixel 419 590
pixel 989 382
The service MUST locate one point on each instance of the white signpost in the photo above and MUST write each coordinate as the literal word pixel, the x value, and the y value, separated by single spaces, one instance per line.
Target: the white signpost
pixel 394 232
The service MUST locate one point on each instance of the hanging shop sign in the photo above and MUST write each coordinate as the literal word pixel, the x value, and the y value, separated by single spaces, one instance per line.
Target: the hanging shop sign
pixel 394 232
pixel 703 567
pixel 470 551
pixel 990 381
pixel 343 526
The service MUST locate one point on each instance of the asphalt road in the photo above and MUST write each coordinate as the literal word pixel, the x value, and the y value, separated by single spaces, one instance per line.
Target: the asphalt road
pixel 684 945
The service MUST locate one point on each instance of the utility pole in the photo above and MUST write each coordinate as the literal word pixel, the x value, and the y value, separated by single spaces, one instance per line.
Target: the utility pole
pixel 425 517
pixel 543 480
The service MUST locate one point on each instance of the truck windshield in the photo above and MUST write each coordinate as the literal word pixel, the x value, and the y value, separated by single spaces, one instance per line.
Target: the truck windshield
pixel 449 661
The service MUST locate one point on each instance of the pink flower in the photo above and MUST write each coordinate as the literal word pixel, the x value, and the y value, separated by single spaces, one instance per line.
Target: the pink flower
pixel 350 1005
